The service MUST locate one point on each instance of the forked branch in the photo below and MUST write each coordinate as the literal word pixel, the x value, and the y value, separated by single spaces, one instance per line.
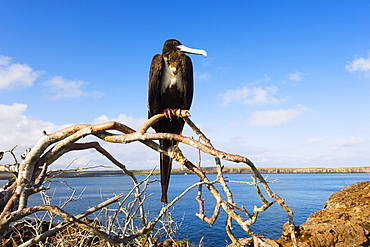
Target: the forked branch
pixel 32 169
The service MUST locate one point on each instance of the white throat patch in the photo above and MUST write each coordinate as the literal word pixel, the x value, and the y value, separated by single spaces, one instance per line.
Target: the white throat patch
pixel 171 77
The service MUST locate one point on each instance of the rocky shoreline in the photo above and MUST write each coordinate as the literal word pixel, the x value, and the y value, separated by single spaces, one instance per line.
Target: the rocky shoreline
pixel 343 222
pixel 208 170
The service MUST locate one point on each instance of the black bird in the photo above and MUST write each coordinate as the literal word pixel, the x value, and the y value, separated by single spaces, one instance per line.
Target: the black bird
pixel 170 87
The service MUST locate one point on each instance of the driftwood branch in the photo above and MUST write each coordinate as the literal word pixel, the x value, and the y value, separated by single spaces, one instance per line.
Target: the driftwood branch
pixel 32 170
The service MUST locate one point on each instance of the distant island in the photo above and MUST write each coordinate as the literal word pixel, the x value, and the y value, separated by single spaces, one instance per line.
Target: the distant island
pixel 208 170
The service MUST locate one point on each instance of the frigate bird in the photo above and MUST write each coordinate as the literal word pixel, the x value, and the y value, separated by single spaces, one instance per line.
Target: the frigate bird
pixel 170 87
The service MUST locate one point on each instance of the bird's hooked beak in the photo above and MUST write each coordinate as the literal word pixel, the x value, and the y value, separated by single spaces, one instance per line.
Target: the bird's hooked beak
pixel 192 51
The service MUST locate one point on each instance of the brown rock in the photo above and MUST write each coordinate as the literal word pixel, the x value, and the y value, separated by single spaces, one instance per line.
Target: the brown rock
pixel 344 221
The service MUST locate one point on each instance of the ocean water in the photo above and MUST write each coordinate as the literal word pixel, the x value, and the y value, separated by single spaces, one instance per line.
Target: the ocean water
pixel 303 193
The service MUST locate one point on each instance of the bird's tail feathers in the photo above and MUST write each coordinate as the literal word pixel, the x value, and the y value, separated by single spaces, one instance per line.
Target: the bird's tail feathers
pixel 166 166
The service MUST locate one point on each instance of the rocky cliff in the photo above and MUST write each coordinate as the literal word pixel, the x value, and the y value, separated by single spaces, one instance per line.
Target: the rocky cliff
pixel 344 221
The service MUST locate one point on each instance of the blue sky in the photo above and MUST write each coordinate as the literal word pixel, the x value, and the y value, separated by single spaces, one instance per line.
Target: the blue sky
pixel 285 83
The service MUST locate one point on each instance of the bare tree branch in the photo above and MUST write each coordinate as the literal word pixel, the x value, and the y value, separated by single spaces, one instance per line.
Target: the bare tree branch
pixel 32 170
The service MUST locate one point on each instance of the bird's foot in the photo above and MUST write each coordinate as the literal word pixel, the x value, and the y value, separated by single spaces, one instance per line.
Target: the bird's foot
pixel 169 112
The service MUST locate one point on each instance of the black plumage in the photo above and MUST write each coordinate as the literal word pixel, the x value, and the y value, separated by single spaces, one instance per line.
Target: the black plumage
pixel 170 87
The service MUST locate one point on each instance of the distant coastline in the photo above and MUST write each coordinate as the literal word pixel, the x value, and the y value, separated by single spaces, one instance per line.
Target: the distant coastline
pixel 208 170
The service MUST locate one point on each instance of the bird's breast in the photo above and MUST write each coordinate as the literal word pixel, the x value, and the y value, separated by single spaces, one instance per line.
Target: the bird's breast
pixel 171 78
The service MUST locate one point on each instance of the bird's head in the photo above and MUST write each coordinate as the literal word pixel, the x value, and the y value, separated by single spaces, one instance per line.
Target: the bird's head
pixel 175 45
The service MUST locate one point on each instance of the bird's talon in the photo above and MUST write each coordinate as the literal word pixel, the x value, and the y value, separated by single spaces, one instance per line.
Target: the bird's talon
pixel 178 112
pixel 168 112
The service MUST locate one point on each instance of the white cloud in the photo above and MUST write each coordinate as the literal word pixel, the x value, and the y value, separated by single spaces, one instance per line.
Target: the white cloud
pixel 13 75
pixel 134 123
pixel 60 88
pixel 23 131
pixel 349 142
pixel 271 118
pixel 4 61
pixel 296 76
pixel 11 112
pixel 135 155
pixel 313 141
pixel 359 64
pixel 251 95
pixel 18 129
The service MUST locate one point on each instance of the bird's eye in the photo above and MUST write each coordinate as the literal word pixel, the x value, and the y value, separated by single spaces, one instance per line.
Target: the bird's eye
pixel 176 43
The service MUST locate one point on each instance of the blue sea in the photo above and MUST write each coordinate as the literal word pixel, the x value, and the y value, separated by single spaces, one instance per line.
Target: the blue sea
pixel 303 193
